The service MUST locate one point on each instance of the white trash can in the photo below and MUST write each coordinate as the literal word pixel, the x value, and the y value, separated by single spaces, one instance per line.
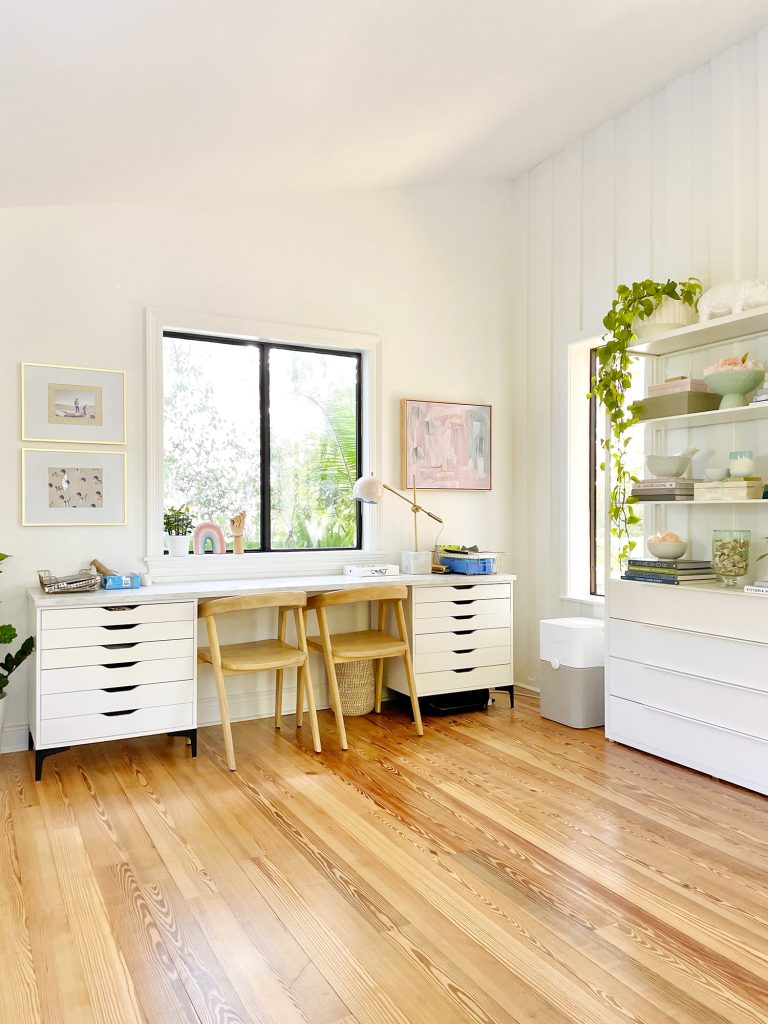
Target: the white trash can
pixel 571 671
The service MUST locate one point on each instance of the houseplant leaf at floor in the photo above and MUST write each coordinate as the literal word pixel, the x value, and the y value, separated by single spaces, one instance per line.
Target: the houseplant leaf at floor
pixel 632 305
pixel 10 661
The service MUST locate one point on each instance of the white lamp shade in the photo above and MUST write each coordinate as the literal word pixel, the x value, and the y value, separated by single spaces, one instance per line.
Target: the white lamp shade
pixel 368 489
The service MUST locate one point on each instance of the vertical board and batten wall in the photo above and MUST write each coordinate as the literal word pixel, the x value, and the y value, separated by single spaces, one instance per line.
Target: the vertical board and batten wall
pixel 674 186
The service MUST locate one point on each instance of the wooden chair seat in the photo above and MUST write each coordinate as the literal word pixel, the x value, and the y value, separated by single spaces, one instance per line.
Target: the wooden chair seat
pixel 255 656
pixel 366 643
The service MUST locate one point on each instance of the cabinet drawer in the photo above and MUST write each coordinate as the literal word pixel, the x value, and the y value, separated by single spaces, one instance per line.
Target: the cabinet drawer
pixel 705 700
pixel 449 623
pixel 726 755
pixel 93 702
pixel 68 618
pixel 461 606
pixel 98 677
pixel 456 679
pixel 471 657
pixel 427 643
pixel 109 654
pixel 88 636
pixel 698 654
pixel 56 732
pixel 452 591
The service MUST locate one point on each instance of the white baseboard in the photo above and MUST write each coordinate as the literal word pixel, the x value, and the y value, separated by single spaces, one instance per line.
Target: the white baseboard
pixel 15 737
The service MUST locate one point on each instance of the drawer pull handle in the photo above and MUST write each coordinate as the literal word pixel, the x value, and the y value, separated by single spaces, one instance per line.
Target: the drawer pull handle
pixel 116 714
pixel 119 647
pixel 463 670
pixel 463 586
pixel 468 650
pixel 118 689
pixel 121 625
pixel 463 632
pixel 120 664
pixel 462 616
pixel 463 602
pixel 121 608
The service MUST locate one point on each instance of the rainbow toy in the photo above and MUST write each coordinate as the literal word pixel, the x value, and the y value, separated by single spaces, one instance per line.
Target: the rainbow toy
pixel 212 532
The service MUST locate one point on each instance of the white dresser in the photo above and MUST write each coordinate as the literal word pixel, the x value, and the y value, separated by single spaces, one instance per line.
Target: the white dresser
pixel 687 678
pixel 110 672
pixel 461 635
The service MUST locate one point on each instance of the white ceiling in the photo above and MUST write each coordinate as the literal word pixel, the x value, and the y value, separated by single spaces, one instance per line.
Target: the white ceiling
pixel 105 100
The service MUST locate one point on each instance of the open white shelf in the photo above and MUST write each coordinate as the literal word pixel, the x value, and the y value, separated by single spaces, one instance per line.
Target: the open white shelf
pixel 707 501
pixel 714 332
pixel 709 588
pixel 744 414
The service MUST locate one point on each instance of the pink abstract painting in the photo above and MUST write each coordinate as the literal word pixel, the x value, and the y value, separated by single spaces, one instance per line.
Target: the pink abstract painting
pixel 446 445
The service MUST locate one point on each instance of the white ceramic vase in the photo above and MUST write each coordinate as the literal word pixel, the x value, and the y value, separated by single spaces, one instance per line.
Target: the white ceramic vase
pixel 178 547
pixel 671 315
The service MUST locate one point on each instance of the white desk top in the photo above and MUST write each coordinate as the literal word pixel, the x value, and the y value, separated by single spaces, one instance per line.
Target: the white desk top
pixel 163 592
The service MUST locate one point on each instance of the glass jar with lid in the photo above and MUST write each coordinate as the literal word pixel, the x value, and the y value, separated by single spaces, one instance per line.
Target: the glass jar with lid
pixel 741 463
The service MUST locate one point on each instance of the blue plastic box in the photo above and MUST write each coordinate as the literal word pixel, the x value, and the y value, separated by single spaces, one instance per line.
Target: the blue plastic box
pixel 469 566
pixel 131 581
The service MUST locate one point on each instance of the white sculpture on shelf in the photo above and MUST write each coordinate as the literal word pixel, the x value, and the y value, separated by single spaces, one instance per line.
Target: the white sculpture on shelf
pixel 732 298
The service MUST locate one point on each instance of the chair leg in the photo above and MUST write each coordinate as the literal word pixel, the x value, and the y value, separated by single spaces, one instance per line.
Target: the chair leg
pixel 226 725
pixel 278 696
pixel 299 699
pixel 409 668
pixel 333 683
pixel 306 678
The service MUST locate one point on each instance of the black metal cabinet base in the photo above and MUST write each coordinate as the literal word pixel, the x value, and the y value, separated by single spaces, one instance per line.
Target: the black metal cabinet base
pixel 42 753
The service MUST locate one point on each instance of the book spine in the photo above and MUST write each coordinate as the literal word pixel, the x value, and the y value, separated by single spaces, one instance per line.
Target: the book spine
pixel 654 563
pixel 761 591
pixel 649 578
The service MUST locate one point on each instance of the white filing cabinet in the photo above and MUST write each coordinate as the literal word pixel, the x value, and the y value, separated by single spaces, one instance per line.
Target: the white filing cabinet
pixel 686 678
pixel 111 672
pixel 461 636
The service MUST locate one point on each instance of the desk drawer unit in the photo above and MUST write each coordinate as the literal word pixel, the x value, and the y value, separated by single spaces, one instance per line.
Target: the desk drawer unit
pixel 112 672
pixel 461 637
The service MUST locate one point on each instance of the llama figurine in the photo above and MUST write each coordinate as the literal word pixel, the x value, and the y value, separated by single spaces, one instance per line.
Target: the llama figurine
pixel 732 298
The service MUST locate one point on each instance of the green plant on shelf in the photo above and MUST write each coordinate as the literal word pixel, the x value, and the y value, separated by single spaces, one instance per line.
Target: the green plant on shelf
pixel 613 380
pixel 11 662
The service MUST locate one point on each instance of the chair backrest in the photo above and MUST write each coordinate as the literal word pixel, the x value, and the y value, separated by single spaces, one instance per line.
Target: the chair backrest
pixel 224 605
pixel 381 592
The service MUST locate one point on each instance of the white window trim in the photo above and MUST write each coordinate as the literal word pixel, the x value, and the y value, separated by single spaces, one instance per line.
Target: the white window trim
pixel 162 567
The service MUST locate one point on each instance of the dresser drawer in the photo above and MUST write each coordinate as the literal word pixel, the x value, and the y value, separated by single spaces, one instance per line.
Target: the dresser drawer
pixel 461 606
pixel 427 643
pixel 698 654
pixel 121 698
pixel 457 679
pixel 91 728
pixel 450 623
pixel 470 657
pixel 726 755
pixel 704 700
pixel 98 677
pixel 109 654
pixel 453 591
pixel 68 618
pixel 89 636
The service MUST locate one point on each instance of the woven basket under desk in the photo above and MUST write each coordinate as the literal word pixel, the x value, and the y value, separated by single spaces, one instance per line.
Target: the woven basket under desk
pixel 357 687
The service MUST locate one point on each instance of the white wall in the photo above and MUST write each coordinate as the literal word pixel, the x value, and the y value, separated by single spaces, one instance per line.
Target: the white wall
pixel 427 269
pixel 677 185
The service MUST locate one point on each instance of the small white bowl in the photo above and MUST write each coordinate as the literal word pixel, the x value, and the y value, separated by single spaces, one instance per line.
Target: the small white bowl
pixel 667 549
pixel 667 465
pixel 716 472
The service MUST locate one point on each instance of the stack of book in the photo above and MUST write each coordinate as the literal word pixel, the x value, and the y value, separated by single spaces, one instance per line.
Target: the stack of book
pixel 678 572
pixel 663 488
pixel 678 385
pixel 759 587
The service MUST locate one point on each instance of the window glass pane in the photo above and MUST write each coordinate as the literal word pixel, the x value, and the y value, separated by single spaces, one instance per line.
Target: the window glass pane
pixel 211 431
pixel 313 449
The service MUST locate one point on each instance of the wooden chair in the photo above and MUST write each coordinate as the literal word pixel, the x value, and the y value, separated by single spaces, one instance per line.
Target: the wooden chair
pixel 259 656
pixel 364 645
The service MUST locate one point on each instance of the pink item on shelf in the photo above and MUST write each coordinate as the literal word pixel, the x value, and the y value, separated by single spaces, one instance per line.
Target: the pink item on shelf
pixel 212 532
pixel 676 387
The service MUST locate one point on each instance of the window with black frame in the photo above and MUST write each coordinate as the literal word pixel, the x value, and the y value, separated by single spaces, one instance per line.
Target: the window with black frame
pixel 271 429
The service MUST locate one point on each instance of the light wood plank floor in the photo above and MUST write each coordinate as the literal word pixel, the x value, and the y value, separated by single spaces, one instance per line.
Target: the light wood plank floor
pixel 501 869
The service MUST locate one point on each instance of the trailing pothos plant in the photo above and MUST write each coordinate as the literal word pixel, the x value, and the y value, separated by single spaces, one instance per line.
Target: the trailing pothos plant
pixel 613 380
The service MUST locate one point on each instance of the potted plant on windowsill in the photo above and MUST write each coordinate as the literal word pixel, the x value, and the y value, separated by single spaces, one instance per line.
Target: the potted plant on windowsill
pixel 177 524
pixel 10 662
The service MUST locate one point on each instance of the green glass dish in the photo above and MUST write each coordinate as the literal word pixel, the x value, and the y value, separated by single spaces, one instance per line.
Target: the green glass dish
pixel 734 385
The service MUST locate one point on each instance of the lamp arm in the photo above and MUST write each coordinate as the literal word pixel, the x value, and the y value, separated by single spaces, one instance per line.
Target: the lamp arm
pixel 414 508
